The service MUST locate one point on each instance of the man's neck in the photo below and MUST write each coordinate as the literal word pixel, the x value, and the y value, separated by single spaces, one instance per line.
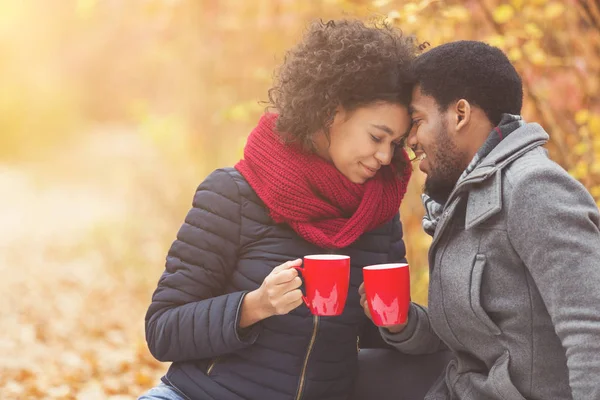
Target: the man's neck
pixel 479 130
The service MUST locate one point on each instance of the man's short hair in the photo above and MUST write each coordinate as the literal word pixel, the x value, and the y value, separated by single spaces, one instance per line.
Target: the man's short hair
pixel 474 71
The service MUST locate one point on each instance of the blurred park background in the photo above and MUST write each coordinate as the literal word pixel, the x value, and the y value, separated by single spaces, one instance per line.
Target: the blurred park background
pixel 112 112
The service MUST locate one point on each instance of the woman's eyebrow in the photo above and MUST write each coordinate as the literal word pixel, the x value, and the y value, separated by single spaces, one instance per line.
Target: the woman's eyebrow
pixel 384 128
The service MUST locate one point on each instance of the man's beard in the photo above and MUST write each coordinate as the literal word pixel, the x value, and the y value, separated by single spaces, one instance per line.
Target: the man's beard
pixel 447 169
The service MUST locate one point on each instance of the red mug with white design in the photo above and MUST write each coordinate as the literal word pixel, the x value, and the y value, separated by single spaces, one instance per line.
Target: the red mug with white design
pixel 387 287
pixel 326 279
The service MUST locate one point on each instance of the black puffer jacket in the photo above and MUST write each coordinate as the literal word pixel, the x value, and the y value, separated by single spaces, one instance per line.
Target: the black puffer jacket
pixel 226 247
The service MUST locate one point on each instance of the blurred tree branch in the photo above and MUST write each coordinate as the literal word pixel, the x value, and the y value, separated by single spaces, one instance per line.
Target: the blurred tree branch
pixel 590 10
pixel 549 119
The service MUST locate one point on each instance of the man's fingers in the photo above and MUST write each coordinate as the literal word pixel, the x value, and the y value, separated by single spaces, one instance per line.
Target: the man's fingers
pixel 365 305
pixel 363 300
pixel 361 289
pixel 366 310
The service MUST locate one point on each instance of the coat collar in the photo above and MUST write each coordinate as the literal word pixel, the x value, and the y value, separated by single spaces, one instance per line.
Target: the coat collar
pixel 519 142
pixel 486 199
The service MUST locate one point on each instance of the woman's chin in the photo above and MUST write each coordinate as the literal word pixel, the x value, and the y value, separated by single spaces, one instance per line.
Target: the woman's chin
pixel 358 180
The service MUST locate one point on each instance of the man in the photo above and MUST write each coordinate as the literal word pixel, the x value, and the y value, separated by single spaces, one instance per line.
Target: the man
pixel 515 259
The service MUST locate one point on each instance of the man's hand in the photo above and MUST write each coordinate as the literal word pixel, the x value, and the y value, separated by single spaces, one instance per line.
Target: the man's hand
pixel 365 306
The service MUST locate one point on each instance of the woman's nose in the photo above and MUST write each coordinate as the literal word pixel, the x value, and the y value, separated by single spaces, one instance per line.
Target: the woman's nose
pixel 384 157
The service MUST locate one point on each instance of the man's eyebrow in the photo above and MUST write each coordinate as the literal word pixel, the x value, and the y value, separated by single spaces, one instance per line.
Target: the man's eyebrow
pixel 411 110
pixel 384 128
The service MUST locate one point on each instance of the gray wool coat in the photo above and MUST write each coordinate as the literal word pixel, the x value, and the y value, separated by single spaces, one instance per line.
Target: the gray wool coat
pixel 514 282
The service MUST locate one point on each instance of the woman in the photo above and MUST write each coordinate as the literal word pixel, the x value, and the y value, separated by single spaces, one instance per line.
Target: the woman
pixel 325 173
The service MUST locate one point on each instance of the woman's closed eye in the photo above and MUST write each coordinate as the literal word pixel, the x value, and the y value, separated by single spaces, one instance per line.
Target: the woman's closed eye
pixel 393 145
pixel 375 138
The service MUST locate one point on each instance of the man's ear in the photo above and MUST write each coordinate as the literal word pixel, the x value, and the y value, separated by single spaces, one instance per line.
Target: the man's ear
pixel 462 110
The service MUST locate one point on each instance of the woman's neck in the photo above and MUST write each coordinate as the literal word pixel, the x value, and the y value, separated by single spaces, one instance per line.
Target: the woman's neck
pixel 321 145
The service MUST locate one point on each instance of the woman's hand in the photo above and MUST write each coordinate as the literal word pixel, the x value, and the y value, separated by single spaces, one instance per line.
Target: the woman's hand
pixel 365 306
pixel 277 295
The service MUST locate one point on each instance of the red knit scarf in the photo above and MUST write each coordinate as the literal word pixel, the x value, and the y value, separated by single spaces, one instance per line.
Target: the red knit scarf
pixel 311 195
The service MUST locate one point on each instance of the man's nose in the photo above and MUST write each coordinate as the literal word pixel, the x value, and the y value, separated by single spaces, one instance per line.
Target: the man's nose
pixel 411 140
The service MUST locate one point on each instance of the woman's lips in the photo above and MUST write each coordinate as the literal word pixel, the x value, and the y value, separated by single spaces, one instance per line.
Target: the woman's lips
pixel 369 171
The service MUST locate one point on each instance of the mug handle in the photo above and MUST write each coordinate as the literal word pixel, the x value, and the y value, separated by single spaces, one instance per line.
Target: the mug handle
pixel 300 272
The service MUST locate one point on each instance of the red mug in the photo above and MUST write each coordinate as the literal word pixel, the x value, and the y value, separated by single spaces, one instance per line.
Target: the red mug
pixel 387 287
pixel 326 278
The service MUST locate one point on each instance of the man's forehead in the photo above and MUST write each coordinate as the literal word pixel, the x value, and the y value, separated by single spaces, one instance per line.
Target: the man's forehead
pixel 420 102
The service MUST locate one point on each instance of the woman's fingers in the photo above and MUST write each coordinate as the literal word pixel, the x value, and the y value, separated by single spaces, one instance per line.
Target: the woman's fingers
pixel 287 265
pixel 288 301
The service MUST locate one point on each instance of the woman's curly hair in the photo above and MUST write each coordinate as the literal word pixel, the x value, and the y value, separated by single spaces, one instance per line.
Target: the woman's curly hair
pixel 340 63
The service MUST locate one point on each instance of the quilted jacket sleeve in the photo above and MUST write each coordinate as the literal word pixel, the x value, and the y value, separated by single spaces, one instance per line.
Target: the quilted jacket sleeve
pixel 190 317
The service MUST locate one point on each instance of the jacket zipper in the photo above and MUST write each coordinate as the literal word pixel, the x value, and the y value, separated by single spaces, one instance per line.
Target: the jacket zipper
pixel 211 366
pixel 310 347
